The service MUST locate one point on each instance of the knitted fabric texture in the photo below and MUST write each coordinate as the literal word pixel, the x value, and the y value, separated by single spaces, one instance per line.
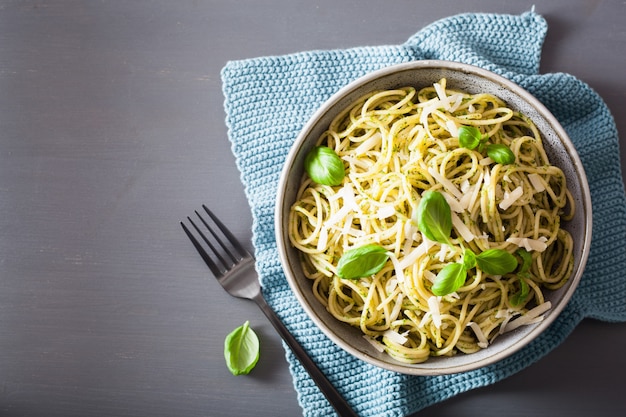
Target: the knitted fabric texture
pixel 269 99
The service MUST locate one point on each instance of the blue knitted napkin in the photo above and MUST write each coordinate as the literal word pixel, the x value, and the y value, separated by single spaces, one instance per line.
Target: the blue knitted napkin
pixel 269 99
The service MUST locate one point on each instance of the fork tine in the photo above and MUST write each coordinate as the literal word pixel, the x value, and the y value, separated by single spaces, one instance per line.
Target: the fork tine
pixel 226 263
pixel 242 252
pixel 203 253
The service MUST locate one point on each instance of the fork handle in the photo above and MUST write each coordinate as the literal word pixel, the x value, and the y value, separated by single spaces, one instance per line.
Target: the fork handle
pixel 330 392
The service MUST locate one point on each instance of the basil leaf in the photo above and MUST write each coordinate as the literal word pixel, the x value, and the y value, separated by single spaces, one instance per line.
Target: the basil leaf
pixel 324 166
pixel 434 218
pixel 362 261
pixel 521 295
pixel 500 153
pixel 496 262
pixel 469 137
pixel 449 279
pixel 241 350
pixel 469 259
pixel 527 260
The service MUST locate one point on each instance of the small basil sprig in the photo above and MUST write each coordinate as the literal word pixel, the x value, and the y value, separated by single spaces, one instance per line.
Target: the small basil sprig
pixel 362 261
pixel 324 166
pixel 471 138
pixel 527 260
pixel 492 261
pixel 241 350
pixel 434 217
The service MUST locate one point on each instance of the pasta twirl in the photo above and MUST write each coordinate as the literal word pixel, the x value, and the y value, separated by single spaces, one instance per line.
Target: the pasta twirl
pixel 395 145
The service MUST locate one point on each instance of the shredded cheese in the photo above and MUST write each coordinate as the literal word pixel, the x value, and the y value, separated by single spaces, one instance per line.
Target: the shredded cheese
pixel 486 161
pixel 532 316
pixel 449 186
pixel 482 340
pixel 417 252
pixel 433 305
pixel 385 212
pixel 349 204
pixel 369 144
pixel 537 182
pixel 397 266
pixel 443 97
pixel 395 337
pixel 455 205
pixel 462 228
pixel 538 245
pixel 452 128
pixel 510 198
pixel 377 345
pixel 322 241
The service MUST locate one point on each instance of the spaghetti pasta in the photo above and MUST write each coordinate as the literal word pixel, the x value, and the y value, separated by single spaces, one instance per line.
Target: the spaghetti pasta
pixel 396 145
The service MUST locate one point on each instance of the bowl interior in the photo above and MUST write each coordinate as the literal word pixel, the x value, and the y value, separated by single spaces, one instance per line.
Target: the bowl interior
pixel 473 80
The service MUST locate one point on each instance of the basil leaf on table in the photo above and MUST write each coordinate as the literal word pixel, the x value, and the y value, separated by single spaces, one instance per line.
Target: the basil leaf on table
pixel 241 350
pixel 362 261
pixel 324 166
pixel 496 262
pixel 449 279
pixel 434 218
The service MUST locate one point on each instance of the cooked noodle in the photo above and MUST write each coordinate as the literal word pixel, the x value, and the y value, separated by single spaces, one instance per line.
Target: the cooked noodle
pixel 395 145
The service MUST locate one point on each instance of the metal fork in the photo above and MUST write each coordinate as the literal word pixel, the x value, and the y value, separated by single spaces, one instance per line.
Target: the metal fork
pixel 232 265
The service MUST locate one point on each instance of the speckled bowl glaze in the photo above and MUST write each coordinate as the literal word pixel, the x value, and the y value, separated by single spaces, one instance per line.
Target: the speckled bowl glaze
pixel 468 78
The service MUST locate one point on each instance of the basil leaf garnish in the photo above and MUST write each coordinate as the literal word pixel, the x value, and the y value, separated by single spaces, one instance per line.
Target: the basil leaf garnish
pixel 324 166
pixel 449 279
pixel 241 350
pixel 469 259
pixel 527 260
pixel 496 262
pixel 469 137
pixel 500 153
pixel 434 218
pixel 521 295
pixel 362 261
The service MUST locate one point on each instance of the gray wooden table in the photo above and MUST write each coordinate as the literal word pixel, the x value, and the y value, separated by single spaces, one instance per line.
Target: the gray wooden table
pixel 112 129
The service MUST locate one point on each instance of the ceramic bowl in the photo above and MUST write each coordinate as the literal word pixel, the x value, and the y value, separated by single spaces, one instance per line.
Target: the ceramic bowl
pixel 471 79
